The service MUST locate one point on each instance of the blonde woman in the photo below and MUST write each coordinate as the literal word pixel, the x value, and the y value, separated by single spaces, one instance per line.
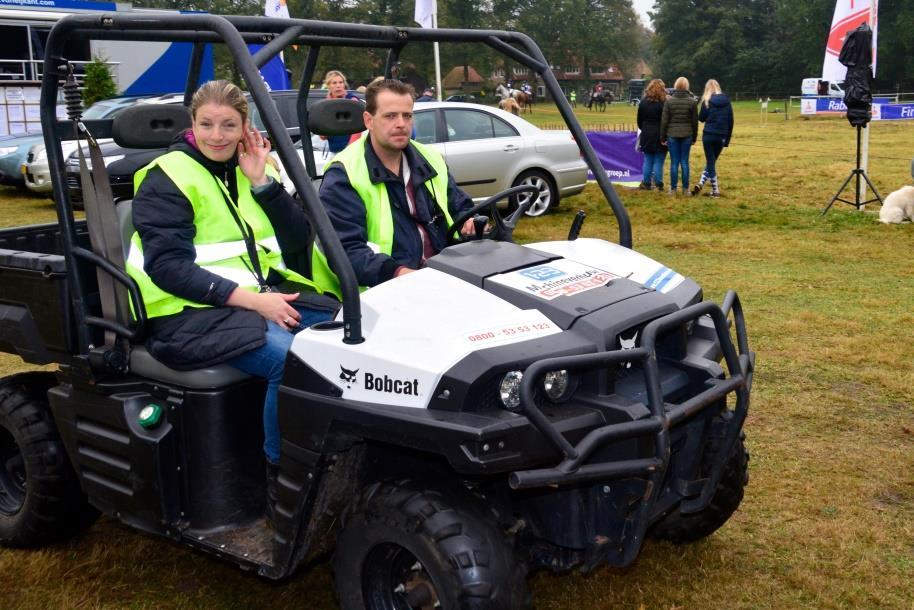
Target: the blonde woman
pixel 717 115
pixel 337 88
pixel 679 130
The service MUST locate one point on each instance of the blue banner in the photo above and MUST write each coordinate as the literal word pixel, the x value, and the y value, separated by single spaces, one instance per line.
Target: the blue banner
pixel 61 4
pixel 893 112
pixel 273 72
pixel 617 154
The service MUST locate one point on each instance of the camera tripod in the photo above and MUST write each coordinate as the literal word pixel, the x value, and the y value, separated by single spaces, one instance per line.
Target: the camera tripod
pixel 859 173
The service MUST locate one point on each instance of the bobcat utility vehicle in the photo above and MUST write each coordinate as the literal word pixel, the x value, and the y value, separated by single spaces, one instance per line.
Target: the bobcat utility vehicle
pixel 507 408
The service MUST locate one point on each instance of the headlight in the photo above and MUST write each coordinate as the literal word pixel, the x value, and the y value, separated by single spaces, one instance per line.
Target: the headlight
pixel 7 150
pixel 556 383
pixel 42 155
pixel 509 390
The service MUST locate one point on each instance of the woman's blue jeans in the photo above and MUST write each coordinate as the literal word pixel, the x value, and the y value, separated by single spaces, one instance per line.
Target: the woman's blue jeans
pixel 269 361
pixel 653 168
pixel 679 157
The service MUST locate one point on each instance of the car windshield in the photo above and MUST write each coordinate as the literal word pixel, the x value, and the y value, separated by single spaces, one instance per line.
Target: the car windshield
pixel 98 110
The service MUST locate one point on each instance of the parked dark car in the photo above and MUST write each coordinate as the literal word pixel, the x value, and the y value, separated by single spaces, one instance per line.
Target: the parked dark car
pixel 468 98
pixel 122 163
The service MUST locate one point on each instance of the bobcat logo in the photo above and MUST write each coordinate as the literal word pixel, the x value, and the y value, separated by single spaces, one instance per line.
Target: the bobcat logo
pixel 627 344
pixel 348 376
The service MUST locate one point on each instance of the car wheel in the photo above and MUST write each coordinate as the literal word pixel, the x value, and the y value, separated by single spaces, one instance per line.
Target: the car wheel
pixel 40 498
pixel 407 546
pixel 545 200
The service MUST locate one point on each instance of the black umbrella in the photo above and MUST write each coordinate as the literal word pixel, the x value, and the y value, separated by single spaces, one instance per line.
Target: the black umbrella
pixel 857 55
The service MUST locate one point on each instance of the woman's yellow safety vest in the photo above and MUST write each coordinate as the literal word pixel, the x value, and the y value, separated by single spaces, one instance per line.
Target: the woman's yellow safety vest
pixel 378 217
pixel 219 243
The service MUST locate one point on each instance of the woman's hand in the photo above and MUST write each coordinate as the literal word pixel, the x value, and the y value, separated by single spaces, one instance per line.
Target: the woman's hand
pixel 253 150
pixel 274 306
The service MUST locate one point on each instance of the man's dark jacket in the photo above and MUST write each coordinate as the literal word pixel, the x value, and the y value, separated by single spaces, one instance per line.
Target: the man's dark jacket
pixel 164 218
pixel 347 213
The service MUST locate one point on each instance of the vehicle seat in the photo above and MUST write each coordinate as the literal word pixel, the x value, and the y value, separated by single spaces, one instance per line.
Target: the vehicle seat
pixel 141 361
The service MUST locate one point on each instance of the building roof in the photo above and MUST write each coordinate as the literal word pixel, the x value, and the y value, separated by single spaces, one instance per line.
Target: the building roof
pixel 454 78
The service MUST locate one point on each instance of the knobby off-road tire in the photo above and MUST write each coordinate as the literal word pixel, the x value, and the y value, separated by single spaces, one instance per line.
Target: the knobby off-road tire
pixel 40 498
pixel 682 528
pixel 407 546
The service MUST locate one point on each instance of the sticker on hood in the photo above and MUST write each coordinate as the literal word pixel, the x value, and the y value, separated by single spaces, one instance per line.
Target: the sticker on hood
pixel 555 279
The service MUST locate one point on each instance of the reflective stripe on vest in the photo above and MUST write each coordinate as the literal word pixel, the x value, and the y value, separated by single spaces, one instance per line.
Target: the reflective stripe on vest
pixel 219 245
pixel 378 216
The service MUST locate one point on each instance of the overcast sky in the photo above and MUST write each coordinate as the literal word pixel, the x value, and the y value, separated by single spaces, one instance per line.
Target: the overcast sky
pixel 642 7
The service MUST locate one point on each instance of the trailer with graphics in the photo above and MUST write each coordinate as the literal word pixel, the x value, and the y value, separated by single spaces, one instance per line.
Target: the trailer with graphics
pixel 506 408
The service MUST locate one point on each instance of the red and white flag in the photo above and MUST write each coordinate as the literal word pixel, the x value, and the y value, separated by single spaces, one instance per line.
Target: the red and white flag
pixel 849 14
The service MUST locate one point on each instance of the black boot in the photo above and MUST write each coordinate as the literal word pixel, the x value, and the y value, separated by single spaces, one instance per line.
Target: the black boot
pixel 272 492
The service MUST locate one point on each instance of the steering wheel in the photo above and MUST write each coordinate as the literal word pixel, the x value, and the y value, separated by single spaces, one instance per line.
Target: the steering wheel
pixel 504 226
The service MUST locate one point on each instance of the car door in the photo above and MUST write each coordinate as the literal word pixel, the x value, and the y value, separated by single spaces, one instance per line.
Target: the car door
pixel 481 151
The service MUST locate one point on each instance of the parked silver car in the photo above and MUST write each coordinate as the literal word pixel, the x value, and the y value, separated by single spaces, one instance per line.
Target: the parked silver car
pixel 489 150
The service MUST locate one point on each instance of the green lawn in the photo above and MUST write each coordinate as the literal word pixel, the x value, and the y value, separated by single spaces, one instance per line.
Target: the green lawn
pixel 828 518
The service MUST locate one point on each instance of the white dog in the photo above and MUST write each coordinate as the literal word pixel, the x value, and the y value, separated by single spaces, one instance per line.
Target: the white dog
pixel 898 206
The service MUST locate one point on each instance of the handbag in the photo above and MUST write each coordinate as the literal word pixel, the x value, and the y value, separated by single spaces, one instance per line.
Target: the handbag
pixel 638 142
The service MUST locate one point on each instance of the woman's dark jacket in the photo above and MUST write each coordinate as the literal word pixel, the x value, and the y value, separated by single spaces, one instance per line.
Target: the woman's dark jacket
pixel 680 117
pixel 164 218
pixel 718 118
pixel 650 114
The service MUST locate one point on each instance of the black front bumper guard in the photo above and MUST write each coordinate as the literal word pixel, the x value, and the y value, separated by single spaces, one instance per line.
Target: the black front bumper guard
pixel 663 416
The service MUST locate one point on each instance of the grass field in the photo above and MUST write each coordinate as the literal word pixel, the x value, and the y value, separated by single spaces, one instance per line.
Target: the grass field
pixel 828 518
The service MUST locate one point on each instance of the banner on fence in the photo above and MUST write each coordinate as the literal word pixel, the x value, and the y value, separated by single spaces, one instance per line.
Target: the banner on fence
pixel 893 112
pixel 832 105
pixel 617 154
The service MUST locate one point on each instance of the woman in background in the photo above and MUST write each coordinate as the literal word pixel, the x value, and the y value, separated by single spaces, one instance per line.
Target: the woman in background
pixel 650 113
pixel 717 115
pixel 338 88
pixel 679 130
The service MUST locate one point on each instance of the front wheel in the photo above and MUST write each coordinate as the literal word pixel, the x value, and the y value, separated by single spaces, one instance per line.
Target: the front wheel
pixel 40 498
pixel 406 546
pixel 681 528
pixel 546 197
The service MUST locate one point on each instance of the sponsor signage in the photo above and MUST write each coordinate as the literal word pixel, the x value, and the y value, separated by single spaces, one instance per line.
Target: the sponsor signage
pixel 617 154
pixel 379 382
pixel 893 112
pixel 68 5
pixel 555 279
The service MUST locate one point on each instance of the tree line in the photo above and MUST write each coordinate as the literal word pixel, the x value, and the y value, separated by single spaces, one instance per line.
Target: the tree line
pixel 583 33
pixel 765 47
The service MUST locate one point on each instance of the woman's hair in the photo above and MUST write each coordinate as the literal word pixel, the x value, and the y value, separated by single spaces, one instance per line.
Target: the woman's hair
pixel 655 91
pixel 331 73
pixel 682 84
pixel 712 87
pixel 221 93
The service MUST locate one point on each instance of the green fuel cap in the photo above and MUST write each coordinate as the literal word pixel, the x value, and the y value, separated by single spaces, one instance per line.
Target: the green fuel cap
pixel 150 416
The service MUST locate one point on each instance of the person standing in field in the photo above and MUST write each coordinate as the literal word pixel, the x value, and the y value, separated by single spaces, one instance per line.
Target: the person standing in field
pixel 717 115
pixel 650 113
pixel 679 130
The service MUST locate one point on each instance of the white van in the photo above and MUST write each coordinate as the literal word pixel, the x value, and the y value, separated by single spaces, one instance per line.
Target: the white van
pixel 815 86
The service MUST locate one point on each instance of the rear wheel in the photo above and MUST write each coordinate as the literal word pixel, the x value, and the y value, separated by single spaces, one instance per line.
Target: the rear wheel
pixel 40 497
pixel 545 199
pixel 406 547
pixel 681 528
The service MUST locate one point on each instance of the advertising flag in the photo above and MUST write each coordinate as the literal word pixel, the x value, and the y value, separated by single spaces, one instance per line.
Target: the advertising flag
pixel 849 14
pixel 274 71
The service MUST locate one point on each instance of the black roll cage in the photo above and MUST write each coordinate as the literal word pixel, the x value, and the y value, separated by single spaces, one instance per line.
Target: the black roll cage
pixel 275 34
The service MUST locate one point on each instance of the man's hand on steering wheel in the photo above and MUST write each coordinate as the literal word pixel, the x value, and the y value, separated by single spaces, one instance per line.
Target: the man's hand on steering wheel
pixel 502 229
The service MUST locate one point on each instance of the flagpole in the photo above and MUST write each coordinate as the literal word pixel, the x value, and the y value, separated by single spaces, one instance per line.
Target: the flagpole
pixel 437 57
pixel 865 154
